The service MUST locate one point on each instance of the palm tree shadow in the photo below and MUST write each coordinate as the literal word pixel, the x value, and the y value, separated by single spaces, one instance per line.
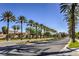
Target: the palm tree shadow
pixel 29 49
pixel 20 49
pixel 7 49
pixel 54 53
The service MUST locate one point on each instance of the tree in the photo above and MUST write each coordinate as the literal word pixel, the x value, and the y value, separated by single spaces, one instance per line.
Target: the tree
pixel 44 28
pixel 41 27
pixel 32 31
pixel 31 24
pixel 15 28
pixel 71 10
pixel 9 17
pixel 36 26
pixel 47 34
pixel 21 20
pixel 77 35
pixel 4 29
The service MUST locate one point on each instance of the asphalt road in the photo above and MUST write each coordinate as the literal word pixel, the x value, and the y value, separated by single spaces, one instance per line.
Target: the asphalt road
pixel 35 48
pixel 53 45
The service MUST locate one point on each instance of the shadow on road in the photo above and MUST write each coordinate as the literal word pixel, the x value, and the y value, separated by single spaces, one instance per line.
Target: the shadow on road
pixel 53 53
pixel 20 49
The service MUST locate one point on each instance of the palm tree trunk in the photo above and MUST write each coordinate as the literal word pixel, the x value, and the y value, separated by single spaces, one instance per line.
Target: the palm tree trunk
pixel 21 31
pixel 73 23
pixel 36 33
pixel 41 33
pixel 44 33
pixel 7 30
pixel 14 33
pixel 30 33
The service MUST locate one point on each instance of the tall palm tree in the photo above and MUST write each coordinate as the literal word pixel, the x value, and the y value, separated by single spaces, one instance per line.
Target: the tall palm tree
pixel 36 26
pixel 41 27
pixel 71 10
pixel 44 31
pixel 21 20
pixel 9 17
pixel 31 24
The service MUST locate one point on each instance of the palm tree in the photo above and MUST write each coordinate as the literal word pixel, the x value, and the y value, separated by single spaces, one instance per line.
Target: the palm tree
pixel 47 34
pixel 44 31
pixel 31 24
pixel 41 27
pixel 71 10
pixel 18 27
pixel 9 17
pixel 15 27
pixel 36 26
pixel 31 30
pixel 21 20
pixel 52 30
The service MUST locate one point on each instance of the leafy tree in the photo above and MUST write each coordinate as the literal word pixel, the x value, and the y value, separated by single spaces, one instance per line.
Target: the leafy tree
pixel 32 31
pixel 15 28
pixel 4 29
pixel 77 35
pixel 9 17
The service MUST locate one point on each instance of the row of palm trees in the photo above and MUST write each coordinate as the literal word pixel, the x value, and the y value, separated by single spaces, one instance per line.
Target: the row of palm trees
pixel 39 28
pixel 71 13
pixel 8 16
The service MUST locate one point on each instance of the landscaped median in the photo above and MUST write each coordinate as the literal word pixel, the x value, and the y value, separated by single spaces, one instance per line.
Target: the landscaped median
pixel 71 48
pixel 34 40
pixel 24 41
pixel 73 44
pixel 20 42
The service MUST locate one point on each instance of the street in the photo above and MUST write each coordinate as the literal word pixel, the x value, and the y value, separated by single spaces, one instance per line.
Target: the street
pixel 35 48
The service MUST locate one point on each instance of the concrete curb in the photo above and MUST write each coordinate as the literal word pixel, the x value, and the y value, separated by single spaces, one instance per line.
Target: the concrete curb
pixel 65 48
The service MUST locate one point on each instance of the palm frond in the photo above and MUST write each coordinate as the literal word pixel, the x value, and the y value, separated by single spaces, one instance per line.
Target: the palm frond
pixel 1 19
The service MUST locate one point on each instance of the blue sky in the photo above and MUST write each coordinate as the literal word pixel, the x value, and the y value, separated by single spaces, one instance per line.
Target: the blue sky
pixel 47 14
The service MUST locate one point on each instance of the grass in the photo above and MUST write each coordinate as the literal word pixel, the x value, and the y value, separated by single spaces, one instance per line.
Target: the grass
pixel 74 45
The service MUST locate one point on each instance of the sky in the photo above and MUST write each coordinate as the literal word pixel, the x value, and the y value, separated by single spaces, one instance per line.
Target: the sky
pixel 47 14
